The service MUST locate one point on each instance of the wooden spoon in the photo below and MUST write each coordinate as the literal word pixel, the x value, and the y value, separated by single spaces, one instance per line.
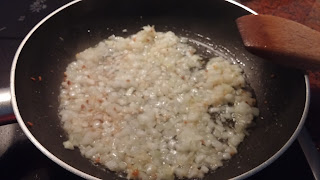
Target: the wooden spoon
pixel 281 40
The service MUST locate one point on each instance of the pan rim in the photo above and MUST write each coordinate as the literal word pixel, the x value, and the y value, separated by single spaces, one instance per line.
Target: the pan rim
pixel 15 105
pixel 88 176
pixel 295 133
pixel 288 143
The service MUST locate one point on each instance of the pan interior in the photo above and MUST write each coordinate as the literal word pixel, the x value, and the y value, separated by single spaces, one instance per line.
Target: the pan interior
pixel 280 92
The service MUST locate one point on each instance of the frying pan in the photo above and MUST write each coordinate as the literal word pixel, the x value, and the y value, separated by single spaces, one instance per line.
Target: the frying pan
pixel 282 94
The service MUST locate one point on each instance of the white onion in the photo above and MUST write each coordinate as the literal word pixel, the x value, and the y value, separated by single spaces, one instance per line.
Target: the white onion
pixel 143 105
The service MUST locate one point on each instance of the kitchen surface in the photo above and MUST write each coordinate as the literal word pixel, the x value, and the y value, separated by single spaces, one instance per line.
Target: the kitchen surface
pixel 20 159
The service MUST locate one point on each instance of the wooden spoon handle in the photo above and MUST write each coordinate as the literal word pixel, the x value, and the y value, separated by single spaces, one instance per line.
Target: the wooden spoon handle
pixel 281 40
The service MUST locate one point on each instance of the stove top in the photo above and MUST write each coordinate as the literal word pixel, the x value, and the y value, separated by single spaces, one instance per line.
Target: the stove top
pixel 20 159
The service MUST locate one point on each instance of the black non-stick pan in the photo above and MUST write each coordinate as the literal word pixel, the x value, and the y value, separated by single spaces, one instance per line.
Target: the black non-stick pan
pixel 282 93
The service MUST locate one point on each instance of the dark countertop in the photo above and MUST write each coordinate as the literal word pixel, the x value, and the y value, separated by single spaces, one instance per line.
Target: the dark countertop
pixel 20 159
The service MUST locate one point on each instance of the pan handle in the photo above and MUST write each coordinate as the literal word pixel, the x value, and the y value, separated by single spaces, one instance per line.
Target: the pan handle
pixel 311 153
pixel 6 111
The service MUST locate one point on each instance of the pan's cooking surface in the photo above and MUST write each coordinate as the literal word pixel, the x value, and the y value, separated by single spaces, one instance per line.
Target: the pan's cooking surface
pixel 68 41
